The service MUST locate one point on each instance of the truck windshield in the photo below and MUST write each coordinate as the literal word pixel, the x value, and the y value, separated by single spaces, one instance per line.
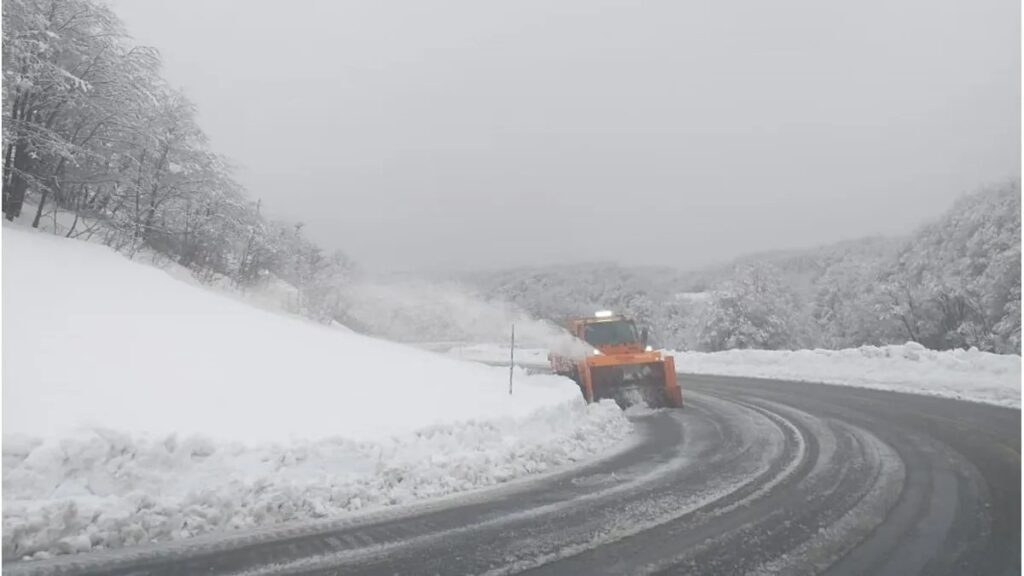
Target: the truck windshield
pixel 615 332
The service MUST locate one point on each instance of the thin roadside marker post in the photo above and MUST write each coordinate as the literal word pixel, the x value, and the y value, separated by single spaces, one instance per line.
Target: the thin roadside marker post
pixel 511 358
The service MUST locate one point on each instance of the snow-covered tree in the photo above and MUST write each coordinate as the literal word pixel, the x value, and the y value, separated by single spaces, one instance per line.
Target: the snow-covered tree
pixel 956 284
pixel 753 311
pixel 90 127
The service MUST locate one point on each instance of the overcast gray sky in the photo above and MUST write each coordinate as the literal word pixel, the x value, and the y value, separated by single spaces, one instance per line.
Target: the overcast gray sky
pixel 460 134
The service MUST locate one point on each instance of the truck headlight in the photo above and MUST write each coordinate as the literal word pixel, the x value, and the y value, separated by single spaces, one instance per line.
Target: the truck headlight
pixel 649 349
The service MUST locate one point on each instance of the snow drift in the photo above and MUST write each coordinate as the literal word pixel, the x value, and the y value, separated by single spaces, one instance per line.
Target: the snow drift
pixel 139 408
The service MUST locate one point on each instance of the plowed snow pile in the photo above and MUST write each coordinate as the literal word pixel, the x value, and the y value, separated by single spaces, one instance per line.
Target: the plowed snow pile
pixel 138 408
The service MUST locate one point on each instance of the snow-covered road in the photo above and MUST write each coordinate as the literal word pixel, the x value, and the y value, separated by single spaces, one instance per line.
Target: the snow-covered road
pixel 753 476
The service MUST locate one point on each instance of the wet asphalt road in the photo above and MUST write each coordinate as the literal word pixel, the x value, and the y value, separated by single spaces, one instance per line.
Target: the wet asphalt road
pixel 751 477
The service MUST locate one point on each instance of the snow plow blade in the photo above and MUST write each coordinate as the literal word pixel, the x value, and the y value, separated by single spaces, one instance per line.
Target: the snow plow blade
pixel 650 383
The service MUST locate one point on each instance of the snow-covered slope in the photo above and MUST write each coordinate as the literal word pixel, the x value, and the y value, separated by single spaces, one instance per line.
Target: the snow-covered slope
pixel 139 407
pixel 961 374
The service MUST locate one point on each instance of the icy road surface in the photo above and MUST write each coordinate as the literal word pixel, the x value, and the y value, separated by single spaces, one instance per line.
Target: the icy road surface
pixel 751 477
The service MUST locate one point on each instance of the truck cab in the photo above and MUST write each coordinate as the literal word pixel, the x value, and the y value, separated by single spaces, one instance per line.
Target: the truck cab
pixel 610 334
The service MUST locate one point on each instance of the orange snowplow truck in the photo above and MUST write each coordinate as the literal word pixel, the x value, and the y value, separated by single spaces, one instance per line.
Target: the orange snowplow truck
pixel 621 365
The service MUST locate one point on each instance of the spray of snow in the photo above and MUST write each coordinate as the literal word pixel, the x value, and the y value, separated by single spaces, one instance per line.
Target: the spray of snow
pixel 418 311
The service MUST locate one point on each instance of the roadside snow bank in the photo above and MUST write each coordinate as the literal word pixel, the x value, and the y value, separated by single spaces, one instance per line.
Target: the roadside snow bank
pixel 961 374
pixel 140 408
pixel 103 489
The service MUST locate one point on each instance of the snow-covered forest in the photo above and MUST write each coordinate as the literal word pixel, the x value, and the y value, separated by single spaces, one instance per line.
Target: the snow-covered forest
pixel 98 146
pixel 954 283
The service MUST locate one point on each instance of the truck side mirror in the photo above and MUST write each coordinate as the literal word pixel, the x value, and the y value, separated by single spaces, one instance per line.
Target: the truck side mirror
pixel 643 337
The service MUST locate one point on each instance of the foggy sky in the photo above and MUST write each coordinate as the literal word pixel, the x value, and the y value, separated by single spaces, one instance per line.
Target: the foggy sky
pixel 439 134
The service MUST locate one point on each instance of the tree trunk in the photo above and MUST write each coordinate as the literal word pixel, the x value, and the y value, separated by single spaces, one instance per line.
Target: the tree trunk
pixel 83 190
pixel 17 111
pixel 39 209
pixel 14 194
pixel 158 172
pixel 15 170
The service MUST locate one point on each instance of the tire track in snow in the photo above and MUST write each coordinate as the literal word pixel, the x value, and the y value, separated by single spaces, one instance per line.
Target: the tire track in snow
pixel 584 519
pixel 745 462
pixel 705 505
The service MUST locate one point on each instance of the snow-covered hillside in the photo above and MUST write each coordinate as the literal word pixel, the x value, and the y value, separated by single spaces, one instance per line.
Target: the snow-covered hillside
pixel 138 407
pixel 961 374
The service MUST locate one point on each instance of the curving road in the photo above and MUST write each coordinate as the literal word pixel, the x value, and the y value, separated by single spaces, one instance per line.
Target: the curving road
pixel 751 477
